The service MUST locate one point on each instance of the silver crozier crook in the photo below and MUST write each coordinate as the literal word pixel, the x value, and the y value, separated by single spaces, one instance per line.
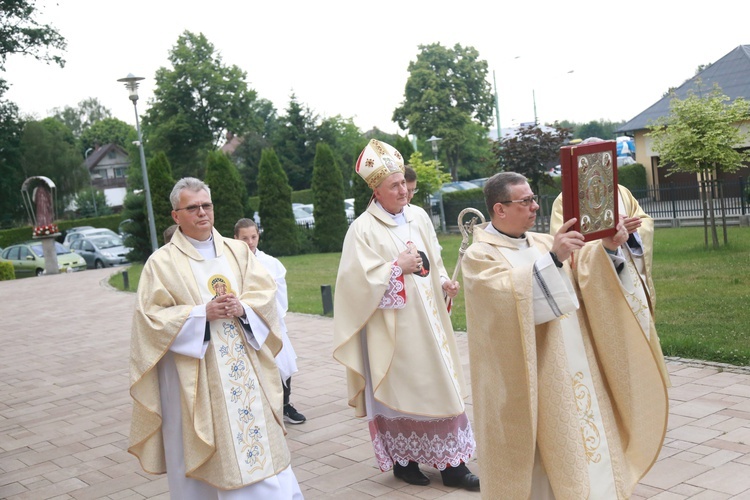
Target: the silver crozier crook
pixel 466 228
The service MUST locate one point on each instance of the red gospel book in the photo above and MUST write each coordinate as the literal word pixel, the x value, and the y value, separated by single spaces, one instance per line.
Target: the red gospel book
pixel 589 188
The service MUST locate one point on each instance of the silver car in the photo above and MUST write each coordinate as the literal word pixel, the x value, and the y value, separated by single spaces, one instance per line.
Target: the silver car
pixel 101 251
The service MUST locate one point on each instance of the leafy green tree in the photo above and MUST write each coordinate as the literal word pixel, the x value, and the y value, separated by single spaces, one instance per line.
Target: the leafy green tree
pixel 280 232
pixel 79 118
pixel 430 178
pixel 227 192
pixel 21 33
pixel 195 103
pixel 48 148
pixel 447 89
pixel 530 153
pixel 294 144
pixel 247 153
pixel 91 203
pixel 328 201
pixel 701 135
pixel 11 130
pixel 160 182
pixel 109 131
pixel 346 142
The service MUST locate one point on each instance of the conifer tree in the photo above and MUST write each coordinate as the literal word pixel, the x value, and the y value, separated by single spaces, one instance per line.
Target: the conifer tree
pixel 138 239
pixel 161 182
pixel 227 192
pixel 361 193
pixel 328 201
pixel 280 231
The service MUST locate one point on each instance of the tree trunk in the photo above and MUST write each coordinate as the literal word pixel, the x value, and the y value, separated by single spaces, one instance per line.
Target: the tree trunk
pixel 703 195
pixel 723 212
pixel 712 214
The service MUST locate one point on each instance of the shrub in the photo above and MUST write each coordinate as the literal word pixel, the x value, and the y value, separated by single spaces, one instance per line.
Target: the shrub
pixel 6 271
pixel 632 176
pixel 280 232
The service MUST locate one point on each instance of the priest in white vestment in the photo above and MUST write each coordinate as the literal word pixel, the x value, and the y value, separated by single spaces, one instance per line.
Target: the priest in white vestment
pixel 393 333
pixel 569 398
pixel 205 388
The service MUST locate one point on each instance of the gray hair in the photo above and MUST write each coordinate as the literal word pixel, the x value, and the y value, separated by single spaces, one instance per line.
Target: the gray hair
pixel 497 188
pixel 189 183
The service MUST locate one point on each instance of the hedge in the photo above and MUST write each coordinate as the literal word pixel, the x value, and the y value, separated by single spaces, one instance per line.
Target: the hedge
pixel 20 234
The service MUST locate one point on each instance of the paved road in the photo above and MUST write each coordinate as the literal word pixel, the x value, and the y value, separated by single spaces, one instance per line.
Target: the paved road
pixel 65 410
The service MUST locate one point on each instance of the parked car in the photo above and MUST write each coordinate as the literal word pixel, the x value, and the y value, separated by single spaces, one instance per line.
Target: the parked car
pixel 555 171
pixel 449 187
pixel 479 182
pixel 307 208
pixel 28 259
pixel 101 251
pixel 349 208
pixel 303 217
pixel 71 235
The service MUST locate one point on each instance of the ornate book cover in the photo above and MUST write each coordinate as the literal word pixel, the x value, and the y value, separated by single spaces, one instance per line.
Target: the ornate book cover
pixel 589 188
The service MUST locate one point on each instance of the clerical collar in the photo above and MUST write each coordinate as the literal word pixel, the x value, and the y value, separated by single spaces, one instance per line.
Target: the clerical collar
pixel 397 218
pixel 205 248
pixel 492 229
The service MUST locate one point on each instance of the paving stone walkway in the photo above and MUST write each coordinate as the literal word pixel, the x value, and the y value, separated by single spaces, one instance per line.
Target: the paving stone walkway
pixel 65 410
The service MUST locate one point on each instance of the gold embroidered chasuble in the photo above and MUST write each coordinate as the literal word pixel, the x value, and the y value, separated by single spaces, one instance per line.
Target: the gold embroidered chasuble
pixel 232 385
pixel 529 393
pixel 638 286
pixel 409 360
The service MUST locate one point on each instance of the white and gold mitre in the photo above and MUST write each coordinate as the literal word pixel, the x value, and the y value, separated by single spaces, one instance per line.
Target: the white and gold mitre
pixel 377 161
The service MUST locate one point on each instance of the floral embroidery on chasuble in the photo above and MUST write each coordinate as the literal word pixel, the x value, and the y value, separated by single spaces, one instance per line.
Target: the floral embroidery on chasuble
pixel 587 403
pixel 239 381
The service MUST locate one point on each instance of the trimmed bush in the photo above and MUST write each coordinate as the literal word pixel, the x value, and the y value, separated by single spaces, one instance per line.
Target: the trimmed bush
pixel 632 176
pixel 6 271
pixel 328 198
pixel 280 232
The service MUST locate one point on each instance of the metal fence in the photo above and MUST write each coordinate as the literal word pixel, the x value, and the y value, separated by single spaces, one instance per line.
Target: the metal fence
pixel 671 201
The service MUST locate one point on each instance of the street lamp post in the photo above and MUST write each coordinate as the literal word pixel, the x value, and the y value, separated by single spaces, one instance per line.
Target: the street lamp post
pixel 433 141
pixel 131 83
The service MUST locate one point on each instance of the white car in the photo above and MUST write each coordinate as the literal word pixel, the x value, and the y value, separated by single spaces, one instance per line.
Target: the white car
pixel 72 236
pixel 303 217
pixel 349 208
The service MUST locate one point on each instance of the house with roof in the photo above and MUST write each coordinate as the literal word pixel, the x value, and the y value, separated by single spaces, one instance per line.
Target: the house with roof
pixel 732 74
pixel 108 168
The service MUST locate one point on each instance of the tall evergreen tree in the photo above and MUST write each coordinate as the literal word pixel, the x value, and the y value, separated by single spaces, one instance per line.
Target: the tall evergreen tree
pixel 227 192
pixel 361 193
pixel 280 232
pixel 294 142
pixel 328 201
pixel 161 182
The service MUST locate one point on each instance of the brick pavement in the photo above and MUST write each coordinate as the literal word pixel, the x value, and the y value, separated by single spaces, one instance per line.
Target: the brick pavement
pixel 65 410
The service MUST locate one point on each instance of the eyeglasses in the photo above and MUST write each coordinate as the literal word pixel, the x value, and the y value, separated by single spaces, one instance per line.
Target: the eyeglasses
pixel 193 209
pixel 525 202
pixel 412 191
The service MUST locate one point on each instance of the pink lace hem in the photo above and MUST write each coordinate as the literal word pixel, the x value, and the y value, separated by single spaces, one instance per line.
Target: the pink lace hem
pixel 395 296
pixel 438 443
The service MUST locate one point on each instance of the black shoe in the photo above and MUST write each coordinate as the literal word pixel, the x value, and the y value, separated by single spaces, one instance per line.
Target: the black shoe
pixel 460 477
pixel 410 474
pixel 292 416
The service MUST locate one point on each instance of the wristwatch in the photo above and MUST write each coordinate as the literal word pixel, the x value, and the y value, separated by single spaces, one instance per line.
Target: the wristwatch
pixel 555 259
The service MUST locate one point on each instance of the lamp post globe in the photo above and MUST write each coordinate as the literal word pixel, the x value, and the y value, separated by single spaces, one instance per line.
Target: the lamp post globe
pixel 131 83
pixel 433 142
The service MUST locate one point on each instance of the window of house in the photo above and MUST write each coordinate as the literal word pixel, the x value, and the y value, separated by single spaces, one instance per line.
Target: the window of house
pixel 119 172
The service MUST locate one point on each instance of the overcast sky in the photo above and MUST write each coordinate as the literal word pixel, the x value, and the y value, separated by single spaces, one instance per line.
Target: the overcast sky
pixel 350 58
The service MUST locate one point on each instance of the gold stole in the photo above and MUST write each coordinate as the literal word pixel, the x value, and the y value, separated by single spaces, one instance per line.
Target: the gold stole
pixel 239 378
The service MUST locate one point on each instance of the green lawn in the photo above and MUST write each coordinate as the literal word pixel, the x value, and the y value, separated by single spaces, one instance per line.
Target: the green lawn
pixel 702 297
